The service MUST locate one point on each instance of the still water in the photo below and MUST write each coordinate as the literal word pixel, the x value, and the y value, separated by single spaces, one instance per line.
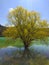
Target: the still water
pixel 16 56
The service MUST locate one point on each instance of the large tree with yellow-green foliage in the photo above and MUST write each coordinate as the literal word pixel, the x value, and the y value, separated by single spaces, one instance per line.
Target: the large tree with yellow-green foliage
pixel 27 26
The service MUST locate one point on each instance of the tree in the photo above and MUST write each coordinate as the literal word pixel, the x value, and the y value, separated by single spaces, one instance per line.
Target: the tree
pixel 27 26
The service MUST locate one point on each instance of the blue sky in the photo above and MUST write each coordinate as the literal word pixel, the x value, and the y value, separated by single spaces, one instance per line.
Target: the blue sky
pixel 42 6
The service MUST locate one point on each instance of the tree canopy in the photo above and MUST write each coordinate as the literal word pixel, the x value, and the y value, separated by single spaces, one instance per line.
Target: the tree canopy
pixel 27 25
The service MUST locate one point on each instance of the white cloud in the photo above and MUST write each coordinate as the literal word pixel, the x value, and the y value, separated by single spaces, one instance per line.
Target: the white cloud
pixel 11 9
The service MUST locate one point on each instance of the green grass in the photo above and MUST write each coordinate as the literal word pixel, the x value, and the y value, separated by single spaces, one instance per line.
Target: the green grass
pixel 7 42
pixel 4 42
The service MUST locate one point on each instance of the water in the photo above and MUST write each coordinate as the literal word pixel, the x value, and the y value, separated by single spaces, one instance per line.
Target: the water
pixel 10 55
pixel 42 49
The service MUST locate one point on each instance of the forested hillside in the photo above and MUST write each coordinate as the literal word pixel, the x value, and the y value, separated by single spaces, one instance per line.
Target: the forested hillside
pixel 2 28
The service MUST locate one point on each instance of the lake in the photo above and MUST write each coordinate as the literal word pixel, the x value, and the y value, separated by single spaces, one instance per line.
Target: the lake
pixel 11 52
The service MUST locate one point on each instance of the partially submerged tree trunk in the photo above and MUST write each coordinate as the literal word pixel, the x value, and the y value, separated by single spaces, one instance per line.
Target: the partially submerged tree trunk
pixel 27 53
pixel 26 45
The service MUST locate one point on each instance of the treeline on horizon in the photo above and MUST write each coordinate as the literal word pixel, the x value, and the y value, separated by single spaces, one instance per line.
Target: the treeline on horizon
pixel 3 28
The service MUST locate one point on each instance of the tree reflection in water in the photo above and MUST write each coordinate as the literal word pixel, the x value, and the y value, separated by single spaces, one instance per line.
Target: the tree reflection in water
pixel 26 57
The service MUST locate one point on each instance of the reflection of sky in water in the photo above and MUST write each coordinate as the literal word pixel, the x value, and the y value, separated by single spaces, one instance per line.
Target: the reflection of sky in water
pixel 42 49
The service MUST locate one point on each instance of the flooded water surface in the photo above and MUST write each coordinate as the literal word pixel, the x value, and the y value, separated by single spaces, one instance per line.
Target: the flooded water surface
pixel 36 55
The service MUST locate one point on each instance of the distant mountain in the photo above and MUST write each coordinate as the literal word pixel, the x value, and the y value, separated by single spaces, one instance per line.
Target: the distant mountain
pixel 2 28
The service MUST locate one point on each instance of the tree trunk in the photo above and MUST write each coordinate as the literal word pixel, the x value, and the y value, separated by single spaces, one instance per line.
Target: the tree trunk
pixel 27 53
pixel 26 46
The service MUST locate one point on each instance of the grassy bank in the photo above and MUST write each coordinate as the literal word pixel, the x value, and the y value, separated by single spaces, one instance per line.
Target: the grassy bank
pixel 4 42
pixel 7 42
